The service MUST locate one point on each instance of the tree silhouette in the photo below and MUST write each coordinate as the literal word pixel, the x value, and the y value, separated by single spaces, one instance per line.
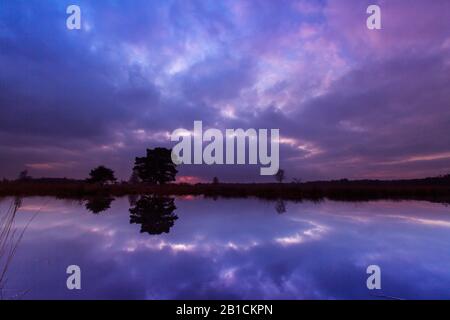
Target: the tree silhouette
pixel 23 176
pixel 99 204
pixel 157 167
pixel 154 214
pixel 280 175
pixel 102 175
pixel 215 180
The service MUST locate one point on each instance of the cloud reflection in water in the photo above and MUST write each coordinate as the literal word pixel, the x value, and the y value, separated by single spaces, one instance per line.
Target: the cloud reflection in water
pixel 240 249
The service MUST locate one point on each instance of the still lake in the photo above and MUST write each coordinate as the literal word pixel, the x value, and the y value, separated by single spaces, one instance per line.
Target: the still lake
pixel 200 248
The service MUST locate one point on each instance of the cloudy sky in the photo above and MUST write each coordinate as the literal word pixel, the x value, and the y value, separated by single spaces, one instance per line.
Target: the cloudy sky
pixel 349 102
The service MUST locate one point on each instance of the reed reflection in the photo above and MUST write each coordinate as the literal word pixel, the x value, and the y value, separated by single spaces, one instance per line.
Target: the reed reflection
pixel 10 238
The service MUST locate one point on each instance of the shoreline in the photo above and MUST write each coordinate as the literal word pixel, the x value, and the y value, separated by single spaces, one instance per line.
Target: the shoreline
pixel 434 191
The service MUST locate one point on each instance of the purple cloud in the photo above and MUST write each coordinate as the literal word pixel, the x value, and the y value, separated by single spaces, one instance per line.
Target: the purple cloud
pixel 349 102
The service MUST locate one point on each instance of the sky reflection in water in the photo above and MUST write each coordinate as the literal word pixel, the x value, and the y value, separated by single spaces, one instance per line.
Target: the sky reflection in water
pixel 232 249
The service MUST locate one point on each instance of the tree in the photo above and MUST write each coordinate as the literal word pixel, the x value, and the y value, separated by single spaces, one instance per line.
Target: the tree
pixel 102 175
pixel 280 175
pixel 23 176
pixel 157 167
pixel 215 180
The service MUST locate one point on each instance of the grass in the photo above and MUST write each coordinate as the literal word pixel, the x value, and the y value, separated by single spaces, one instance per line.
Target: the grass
pixel 10 238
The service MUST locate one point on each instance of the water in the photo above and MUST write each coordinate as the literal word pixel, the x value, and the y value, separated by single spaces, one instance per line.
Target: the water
pixel 230 249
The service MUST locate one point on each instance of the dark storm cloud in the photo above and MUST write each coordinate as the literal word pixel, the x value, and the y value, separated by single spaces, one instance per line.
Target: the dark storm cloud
pixel 52 84
pixel 348 101
pixel 387 112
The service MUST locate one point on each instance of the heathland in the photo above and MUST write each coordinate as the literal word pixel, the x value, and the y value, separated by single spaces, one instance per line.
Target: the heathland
pixel 436 189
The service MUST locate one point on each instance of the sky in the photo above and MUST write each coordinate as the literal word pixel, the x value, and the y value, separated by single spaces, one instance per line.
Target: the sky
pixel 349 102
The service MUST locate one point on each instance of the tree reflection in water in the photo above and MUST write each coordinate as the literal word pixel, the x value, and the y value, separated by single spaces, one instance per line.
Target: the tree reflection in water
pixel 99 204
pixel 280 207
pixel 154 214
pixel 132 199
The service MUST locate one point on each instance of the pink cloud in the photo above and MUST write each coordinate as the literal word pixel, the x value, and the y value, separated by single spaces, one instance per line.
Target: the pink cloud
pixel 190 179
